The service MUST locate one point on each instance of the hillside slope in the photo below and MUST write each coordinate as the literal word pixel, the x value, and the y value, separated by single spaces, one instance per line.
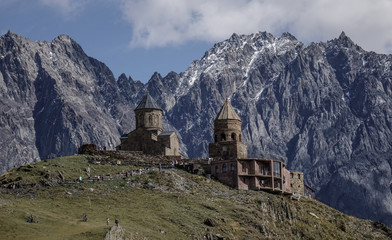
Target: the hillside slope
pixel 170 204
pixel 55 98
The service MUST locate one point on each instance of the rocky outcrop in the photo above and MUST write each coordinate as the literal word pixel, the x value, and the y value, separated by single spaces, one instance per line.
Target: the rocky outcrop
pixel 55 98
pixel 116 233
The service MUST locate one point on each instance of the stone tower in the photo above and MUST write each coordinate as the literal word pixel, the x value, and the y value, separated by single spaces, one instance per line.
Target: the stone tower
pixel 148 136
pixel 227 135
pixel 149 115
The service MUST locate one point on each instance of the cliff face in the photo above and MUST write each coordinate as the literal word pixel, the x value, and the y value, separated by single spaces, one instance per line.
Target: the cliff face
pixel 54 98
pixel 325 109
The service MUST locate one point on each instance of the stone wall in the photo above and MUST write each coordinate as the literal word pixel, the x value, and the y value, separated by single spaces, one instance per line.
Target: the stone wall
pixel 150 119
pixel 228 150
pixel 171 144
pixel 228 127
pixel 286 180
pixel 297 182
pixel 225 172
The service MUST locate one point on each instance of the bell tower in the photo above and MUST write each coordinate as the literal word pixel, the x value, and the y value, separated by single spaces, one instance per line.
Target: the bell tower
pixel 227 135
pixel 148 115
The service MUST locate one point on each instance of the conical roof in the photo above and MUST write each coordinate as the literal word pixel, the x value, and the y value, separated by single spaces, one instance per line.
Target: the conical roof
pixel 147 103
pixel 227 112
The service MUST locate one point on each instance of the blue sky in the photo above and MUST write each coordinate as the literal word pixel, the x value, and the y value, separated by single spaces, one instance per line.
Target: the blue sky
pixel 139 37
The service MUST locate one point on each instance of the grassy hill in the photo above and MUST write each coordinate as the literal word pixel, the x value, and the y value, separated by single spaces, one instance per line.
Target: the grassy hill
pixel 168 204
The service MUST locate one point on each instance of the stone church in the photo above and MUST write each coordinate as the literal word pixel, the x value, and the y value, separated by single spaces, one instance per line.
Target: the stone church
pixel 148 136
pixel 230 163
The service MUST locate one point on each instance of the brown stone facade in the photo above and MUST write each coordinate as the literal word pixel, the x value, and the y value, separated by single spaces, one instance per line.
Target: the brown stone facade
pixel 227 135
pixel 149 119
pixel 230 163
pixel 252 174
pixel 297 182
pixel 148 136
pixel 228 150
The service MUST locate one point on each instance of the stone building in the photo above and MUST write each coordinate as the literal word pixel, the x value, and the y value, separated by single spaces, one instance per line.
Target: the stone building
pixel 148 136
pixel 227 135
pixel 297 182
pixel 230 163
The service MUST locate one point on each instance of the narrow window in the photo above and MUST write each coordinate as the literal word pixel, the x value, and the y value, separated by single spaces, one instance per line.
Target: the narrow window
pixel 299 176
pixel 262 182
pixel 240 137
pixel 232 167
pixel 224 168
pixel 223 137
pixel 243 165
pixel 150 119
pixel 276 169
pixel 216 169
pixel 291 175
pixel 233 137
pixel 216 138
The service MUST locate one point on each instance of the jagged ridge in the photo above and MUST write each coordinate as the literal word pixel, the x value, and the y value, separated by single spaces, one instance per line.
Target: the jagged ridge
pixel 324 108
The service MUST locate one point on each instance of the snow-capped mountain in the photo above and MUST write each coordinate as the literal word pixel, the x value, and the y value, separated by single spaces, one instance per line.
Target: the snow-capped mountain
pixel 324 108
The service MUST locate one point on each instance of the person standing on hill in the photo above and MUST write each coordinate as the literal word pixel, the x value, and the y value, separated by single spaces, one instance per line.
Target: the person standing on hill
pixel 84 217
pixel 107 221
pixel 116 222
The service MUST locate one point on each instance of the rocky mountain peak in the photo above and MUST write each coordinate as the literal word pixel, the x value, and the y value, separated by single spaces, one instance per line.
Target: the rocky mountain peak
pixel 123 77
pixel 10 36
pixel 326 109
pixel 344 41
pixel 288 36
pixel 156 77
pixel 63 38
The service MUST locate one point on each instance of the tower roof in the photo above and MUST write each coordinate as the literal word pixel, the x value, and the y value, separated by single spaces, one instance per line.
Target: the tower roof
pixel 147 103
pixel 227 112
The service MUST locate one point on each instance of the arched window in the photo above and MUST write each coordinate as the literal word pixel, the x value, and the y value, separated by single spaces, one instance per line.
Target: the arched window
pixel 232 167
pixel 150 119
pixel 224 168
pixel 233 137
pixel 216 169
pixel 223 137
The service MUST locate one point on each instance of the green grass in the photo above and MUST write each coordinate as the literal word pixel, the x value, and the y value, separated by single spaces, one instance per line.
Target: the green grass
pixel 174 202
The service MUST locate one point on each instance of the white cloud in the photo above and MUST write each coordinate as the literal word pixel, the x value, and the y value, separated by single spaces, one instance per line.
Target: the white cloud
pixel 162 22
pixel 68 8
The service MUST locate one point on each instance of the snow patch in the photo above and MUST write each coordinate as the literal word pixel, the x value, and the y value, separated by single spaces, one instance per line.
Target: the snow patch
pixel 258 94
pixel 40 111
pixel 380 100
pixel 252 60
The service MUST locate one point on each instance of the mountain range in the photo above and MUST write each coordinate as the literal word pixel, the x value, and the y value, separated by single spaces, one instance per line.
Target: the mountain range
pixel 323 108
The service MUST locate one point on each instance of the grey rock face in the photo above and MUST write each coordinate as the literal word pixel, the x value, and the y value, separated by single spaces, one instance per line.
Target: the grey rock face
pixel 325 109
pixel 54 98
